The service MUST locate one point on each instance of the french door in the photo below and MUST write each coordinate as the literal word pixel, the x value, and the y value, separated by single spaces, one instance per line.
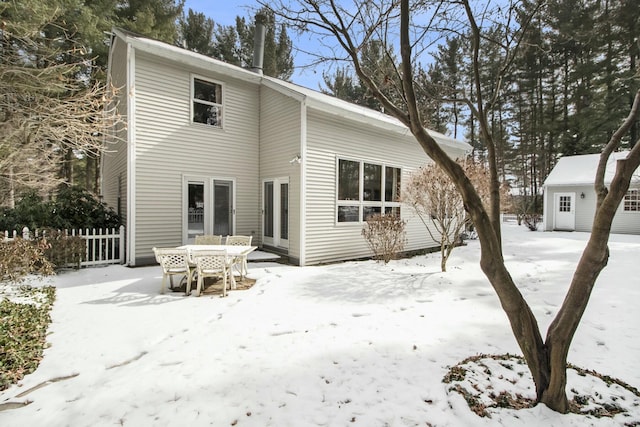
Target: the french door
pixel 208 207
pixel 275 212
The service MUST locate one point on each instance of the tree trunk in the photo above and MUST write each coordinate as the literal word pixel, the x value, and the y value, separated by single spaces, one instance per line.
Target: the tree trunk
pixel 565 324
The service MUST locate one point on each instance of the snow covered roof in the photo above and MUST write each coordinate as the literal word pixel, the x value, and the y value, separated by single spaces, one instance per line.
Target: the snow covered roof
pixel 581 170
pixel 312 98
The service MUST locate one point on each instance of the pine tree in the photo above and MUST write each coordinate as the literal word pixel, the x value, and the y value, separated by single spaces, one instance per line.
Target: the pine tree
pixel 196 32
pixel 235 44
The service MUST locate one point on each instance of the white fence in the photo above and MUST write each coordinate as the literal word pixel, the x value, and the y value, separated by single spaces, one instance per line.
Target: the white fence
pixel 102 246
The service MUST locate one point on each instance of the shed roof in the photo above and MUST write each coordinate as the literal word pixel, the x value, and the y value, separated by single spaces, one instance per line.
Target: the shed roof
pixel 581 170
pixel 313 98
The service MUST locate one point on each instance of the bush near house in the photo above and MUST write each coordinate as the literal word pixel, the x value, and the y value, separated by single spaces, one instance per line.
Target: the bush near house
pixel 70 208
pixel 385 236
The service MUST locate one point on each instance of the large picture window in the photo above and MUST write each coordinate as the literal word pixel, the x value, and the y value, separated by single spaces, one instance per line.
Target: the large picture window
pixel 366 189
pixel 631 201
pixel 207 102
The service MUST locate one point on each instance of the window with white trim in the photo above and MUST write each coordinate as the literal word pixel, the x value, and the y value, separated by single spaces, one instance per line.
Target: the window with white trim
pixel 366 189
pixel 631 201
pixel 206 102
pixel 565 204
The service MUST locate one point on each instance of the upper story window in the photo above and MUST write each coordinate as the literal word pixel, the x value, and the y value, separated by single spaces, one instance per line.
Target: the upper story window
pixel 365 189
pixel 207 102
pixel 631 201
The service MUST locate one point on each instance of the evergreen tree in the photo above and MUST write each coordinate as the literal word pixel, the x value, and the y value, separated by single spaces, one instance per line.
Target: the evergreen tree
pixel 343 85
pixel 156 19
pixel 196 32
pixel 235 44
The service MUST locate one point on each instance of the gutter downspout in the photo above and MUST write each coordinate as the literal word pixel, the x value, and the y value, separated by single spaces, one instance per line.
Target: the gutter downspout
pixel 131 157
pixel 303 181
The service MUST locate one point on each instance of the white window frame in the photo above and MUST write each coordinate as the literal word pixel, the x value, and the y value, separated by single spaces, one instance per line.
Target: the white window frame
pixel 194 100
pixel 632 196
pixel 360 204
pixel 208 182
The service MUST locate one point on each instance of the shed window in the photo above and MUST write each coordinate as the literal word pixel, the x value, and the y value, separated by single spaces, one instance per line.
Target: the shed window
pixel 366 189
pixel 207 102
pixel 631 201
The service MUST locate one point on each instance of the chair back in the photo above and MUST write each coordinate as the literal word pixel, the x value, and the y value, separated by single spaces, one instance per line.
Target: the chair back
pixel 172 259
pixel 239 240
pixel 208 239
pixel 210 261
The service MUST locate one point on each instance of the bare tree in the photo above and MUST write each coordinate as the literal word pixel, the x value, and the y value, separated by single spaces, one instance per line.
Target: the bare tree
pixel 429 191
pixel 47 109
pixel 407 23
pixel 435 199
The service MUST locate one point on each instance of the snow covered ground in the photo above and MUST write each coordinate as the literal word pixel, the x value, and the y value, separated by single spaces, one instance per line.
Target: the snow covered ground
pixel 349 344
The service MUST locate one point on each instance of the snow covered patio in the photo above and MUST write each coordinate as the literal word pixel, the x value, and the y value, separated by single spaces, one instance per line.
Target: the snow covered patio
pixel 349 344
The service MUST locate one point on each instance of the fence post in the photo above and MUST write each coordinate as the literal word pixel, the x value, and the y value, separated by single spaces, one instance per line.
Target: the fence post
pixel 121 244
pixel 25 233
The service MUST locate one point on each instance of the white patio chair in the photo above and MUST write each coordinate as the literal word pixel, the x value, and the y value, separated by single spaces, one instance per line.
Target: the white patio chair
pixel 174 262
pixel 208 239
pixel 240 261
pixel 211 264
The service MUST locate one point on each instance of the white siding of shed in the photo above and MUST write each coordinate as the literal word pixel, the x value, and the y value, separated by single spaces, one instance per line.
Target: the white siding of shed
pixel 330 137
pixel 280 138
pixel 169 146
pixel 584 208
pixel 623 222
pixel 626 222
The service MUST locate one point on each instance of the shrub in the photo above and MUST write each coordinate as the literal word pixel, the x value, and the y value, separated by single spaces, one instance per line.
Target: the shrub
pixel 22 336
pixel 531 221
pixel 30 211
pixel 61 249
pixel 20 257
pixel 385 236
pixel 72 208
pixel 77 208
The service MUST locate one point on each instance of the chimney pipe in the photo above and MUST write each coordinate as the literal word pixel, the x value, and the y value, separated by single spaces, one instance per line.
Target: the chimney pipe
pixel 258 45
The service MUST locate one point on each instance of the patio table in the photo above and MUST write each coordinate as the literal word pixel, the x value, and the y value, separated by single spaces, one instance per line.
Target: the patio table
pixel 234 254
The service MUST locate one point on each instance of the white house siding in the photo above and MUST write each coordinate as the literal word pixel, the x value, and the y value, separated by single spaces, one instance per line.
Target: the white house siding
pixel 331 137
pixel 169 146
pixel 280 142
pixel 114 160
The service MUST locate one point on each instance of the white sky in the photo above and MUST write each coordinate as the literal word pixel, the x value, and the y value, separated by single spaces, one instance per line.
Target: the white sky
pixel 347 344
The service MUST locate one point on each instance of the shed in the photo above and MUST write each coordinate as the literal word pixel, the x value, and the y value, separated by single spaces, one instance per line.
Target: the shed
pixel 570 198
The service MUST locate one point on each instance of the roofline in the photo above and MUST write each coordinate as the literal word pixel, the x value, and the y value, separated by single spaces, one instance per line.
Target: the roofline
pixel 312 98
pixel 185 56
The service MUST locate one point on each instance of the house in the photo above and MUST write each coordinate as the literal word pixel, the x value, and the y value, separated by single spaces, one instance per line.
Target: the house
pixel 216 149
pixel 570 198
